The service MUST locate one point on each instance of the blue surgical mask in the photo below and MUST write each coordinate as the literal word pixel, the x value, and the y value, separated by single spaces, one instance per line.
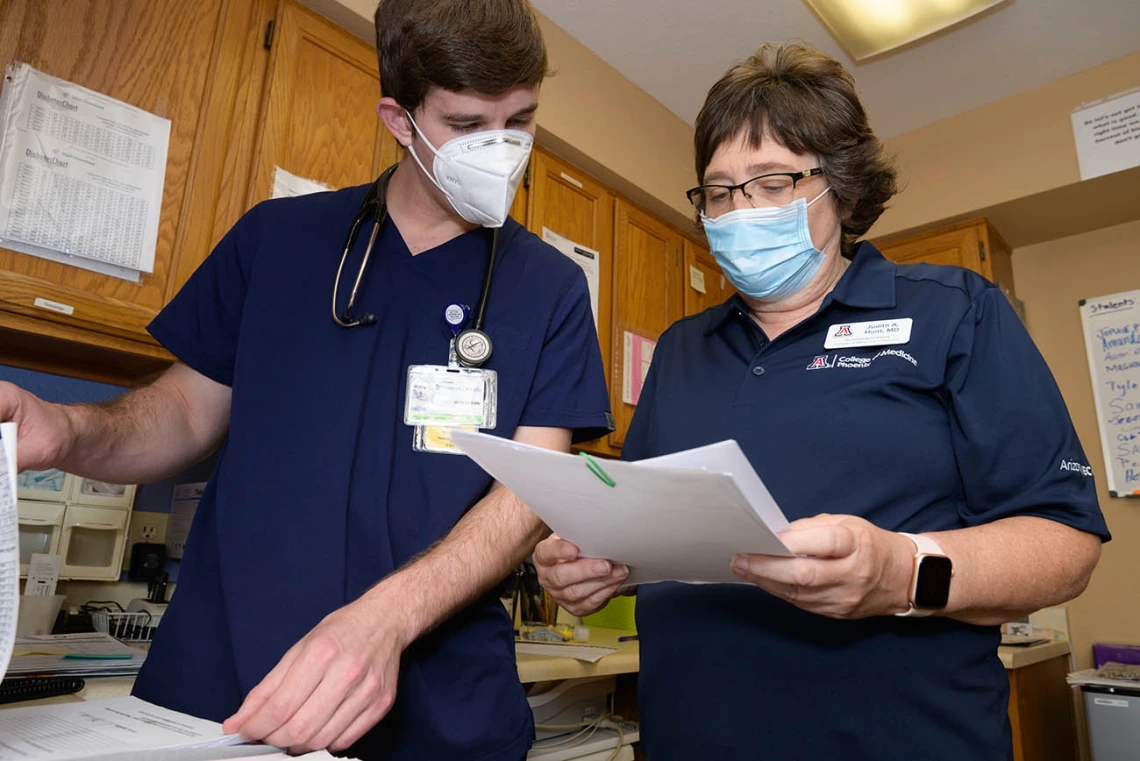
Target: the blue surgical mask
pixel 766 253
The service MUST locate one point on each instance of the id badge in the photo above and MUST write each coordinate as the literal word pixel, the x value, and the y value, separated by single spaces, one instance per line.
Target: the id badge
pixel 451 396
pixel 437 438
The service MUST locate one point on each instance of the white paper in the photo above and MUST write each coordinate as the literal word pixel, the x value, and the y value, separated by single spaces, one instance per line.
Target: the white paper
pixel 682 520
pixel 95 727
pixel 586 258
pixel 182 508
pixel 697 279
pixel 587 653
pixel 1107 134
pixel 287 185
pixel 80 173
pixel 43 573
pixel 91 265
pixel 9 545
pixel 45 653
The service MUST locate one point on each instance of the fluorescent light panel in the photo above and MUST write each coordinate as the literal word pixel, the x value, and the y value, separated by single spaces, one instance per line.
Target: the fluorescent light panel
pixel 867 28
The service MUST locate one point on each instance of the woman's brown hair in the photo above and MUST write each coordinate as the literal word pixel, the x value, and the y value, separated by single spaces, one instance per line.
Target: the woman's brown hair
pixel 807 102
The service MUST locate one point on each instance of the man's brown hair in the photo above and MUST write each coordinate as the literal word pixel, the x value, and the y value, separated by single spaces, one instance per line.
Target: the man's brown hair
pixel 488 46
pixel 807 101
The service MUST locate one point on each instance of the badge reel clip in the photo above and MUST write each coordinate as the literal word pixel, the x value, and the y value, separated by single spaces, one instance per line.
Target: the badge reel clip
pixel 443 399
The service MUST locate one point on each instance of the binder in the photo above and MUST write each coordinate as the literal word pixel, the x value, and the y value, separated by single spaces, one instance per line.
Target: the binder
pixel 20 688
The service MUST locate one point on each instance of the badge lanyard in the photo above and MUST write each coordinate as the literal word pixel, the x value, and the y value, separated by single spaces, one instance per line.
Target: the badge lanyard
pixel 472 345
pixel 439 399
pixel 443 399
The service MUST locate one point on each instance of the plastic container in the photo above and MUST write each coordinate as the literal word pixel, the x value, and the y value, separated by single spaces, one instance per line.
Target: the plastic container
pixel 618 614
pixel 1104 653
pixel 38 613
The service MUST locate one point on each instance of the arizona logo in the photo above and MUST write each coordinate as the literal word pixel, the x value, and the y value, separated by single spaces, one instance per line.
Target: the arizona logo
pixel 844 330
pixel 821 362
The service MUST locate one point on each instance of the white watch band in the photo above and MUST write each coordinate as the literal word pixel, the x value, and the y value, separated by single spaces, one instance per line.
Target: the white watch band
pixel 924 545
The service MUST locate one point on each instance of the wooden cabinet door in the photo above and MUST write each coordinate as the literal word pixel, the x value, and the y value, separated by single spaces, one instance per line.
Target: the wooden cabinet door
pixel 156 55
pixel 646 293
pixel 319 115
pixel 704 284
pixel 571 204
pixel 958 246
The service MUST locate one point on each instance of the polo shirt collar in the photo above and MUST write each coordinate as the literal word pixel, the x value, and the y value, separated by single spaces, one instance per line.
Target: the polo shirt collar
pixel 869 283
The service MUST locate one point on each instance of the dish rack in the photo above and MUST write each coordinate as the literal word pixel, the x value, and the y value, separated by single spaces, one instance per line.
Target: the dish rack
pixel 135 626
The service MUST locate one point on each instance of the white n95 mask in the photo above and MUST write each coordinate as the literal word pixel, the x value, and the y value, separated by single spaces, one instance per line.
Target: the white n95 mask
pixel 479 173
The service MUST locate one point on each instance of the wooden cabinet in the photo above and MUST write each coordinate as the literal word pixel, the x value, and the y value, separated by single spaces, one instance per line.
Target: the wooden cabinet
pixel 1040 713
pixel 647 294
pixel 319 115
pixel 975 245
pixel 568 202
pixel 154 55
pixel 704 284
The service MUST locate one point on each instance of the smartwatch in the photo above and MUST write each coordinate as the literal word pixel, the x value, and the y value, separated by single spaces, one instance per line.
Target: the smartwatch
pixel 930 580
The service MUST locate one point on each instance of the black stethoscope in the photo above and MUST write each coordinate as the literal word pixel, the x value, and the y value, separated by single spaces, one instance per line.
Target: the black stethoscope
pixel 472 345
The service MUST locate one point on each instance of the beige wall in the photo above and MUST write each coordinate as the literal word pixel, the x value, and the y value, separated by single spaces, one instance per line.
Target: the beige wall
pixel 1051 278
pixel 998 156
pixel 593 116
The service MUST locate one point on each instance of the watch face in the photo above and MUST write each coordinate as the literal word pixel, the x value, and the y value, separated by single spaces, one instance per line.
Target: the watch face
pixel 932 586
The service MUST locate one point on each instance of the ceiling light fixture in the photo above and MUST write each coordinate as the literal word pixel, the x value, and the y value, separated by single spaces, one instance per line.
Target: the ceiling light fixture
pixel 867 28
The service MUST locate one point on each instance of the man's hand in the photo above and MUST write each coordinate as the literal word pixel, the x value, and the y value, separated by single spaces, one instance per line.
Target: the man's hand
pixel 580 585
pixel 44 430
pixel 330 688
pixel 852 570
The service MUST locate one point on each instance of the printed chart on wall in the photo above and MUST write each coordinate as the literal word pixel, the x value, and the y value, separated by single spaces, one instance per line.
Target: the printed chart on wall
pixel 81 175
pixel 1112 338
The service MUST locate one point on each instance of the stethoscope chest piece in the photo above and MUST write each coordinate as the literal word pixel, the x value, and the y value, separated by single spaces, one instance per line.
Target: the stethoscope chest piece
pixel 473 347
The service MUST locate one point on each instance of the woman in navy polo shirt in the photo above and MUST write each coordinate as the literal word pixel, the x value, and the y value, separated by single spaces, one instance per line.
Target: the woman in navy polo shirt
pixel 901 417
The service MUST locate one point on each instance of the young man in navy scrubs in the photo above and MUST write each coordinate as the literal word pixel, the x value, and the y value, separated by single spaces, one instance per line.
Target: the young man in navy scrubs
pixel 337 584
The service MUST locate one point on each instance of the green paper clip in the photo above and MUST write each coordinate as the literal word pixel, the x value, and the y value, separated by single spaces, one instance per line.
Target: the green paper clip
pixel 597 470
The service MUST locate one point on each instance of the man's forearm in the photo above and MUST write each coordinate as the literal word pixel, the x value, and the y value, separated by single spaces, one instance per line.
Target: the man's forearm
pixel 149 433
pixel 483 548
pixel 1014 566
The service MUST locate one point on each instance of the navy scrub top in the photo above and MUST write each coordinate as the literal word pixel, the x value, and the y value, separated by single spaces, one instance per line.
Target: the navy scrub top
pixel 318 494
pixel 960 426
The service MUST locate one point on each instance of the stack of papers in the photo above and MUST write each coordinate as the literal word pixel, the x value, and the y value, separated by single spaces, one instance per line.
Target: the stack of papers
pixel 680 517
pixel 84 655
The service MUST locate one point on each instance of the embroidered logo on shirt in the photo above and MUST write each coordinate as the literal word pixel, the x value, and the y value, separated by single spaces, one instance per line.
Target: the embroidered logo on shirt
pixel 855 362
pixel 1076 467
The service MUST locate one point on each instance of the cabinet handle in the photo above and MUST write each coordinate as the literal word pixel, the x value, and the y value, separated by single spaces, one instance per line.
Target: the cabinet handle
pixel 34 521
pixel 94 525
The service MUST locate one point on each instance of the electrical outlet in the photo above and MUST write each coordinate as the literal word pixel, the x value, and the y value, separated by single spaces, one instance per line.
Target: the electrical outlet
pixel 145 528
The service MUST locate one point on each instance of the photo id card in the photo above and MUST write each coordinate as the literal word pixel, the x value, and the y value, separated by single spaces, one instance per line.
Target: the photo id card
pixel 451 396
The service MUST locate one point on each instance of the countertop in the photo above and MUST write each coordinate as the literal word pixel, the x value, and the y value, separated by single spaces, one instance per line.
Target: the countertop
pixel 1020 657
pixel 544 668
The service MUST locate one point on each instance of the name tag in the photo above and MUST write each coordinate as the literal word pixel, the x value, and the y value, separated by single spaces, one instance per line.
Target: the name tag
pixel 879 333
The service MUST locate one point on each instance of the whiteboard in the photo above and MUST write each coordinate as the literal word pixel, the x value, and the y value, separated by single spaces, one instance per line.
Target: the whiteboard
pixel 1112 339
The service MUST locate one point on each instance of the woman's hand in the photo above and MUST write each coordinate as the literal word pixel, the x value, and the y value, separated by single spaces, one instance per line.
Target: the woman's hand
pixel 848 568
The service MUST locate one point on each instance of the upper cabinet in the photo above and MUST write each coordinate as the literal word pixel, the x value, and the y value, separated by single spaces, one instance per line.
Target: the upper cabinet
pixel 319 115
pixel 156 56
pixel 705 285
pixel 568 202
pixel 975 245
pixel 647 296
